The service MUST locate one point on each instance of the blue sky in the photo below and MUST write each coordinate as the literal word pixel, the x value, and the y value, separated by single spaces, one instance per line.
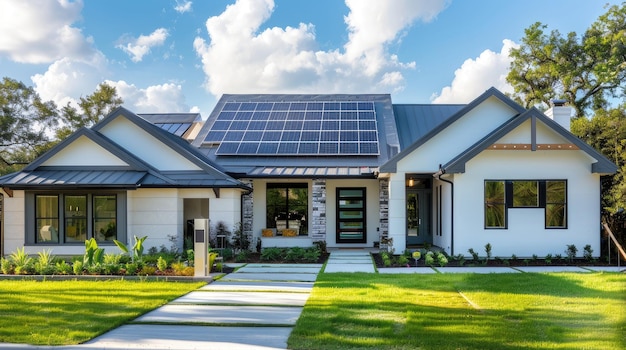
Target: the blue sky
pixel 180 56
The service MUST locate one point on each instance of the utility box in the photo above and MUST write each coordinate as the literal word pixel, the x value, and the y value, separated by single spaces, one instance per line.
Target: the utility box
pixel 200 247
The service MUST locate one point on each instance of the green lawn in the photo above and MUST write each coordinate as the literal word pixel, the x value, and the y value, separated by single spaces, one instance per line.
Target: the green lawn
pixel 464 311
pixel 71 312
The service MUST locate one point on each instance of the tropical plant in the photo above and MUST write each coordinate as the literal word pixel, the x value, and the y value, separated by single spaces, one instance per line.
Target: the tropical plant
pixel 442 260
pixel 77 267
pixel 45 262
pixel 93 254
pixel 161 264
pixel 63 268
pixel 137 250
pixel 6 266
pixel 22 262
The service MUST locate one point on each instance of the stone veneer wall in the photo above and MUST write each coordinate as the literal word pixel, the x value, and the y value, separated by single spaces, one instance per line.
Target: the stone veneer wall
pixel 383 192
pixel 318 219
pixel 247 210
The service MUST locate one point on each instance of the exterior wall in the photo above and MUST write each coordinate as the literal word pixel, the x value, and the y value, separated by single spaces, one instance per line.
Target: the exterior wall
pixel 317 197
pixel 84 152
pixel 397 211
pixel 526 234
pixel 373 211
pixel 455 138
pixel 145 146
pixel 157 213
pixel 383 207
pixel 13 222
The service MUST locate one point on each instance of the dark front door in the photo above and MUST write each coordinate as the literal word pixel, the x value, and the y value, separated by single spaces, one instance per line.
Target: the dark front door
pixel 418 218
pixel 351 218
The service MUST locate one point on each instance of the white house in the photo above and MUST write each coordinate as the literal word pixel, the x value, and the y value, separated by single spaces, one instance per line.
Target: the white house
pixel 350 170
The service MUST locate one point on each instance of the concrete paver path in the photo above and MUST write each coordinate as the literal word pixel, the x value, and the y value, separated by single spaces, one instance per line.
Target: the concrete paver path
pixel 253 308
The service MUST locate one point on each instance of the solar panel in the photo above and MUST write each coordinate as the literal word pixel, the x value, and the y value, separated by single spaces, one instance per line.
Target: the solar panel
pixel 296 128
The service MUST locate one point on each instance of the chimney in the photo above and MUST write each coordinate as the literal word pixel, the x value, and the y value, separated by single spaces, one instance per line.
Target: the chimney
pixel 560 113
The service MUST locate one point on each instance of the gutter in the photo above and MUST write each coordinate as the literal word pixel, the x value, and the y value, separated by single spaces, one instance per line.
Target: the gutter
pixel 439 175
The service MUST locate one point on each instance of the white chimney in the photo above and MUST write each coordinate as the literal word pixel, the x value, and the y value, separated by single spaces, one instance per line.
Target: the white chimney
pixel 560 113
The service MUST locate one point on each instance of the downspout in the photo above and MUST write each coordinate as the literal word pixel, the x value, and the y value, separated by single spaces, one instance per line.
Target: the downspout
pixel 439 174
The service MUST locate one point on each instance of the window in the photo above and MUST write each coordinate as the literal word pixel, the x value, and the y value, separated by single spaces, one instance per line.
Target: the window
pixel 550 195
pixel 351 215
pixel 495 205
pixel 72 218
pixel 287 207
pixel 556 204
pixel 47 219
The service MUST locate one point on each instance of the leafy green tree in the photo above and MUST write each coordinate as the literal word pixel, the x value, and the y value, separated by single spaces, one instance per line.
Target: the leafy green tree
pixel 26 124
pixel 587 70
pixel 92 109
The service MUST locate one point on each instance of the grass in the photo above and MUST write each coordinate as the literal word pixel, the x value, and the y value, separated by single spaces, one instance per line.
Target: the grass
pixel 72 312
pixel 464 311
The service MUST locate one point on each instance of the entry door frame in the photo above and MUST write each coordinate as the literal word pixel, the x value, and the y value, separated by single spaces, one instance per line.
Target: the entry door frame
pixel 420 187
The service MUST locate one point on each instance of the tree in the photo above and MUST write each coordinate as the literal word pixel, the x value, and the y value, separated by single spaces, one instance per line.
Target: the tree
pixel 586 71
pixel 92 109
pixel 26 124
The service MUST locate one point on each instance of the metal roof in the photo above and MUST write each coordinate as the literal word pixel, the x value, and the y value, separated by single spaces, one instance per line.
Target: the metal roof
pixel 171 118
pixel 413 121
pixel 292 171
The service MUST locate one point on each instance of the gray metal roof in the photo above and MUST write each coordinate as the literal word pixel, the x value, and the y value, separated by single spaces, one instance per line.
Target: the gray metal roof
pixel 171 118
pixel 413 121
pixel 137 174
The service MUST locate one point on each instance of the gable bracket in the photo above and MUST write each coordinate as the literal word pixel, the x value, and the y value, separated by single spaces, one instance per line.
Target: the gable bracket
pixel 533 133
pixel 216 190
pixel 8 191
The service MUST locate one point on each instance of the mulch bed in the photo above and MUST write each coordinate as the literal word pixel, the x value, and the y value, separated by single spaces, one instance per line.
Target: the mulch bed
pixel 493 262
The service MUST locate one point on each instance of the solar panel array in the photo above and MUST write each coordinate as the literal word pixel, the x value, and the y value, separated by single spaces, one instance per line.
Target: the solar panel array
pixel 295 128
pixel 177 129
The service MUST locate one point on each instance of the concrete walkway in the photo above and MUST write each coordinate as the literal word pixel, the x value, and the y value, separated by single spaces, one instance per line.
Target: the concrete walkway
pixel 253 308
pixel 348 260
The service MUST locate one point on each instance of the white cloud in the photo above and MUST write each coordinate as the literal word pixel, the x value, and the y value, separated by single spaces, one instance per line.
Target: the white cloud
pixel 67 79
pixel 40 31
pixel 164 98
pixel 139 47
pixel 182 6
pixel 238 58
pixel 477 75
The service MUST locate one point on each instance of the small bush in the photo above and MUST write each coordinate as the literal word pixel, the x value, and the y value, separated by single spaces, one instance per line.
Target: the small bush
pixel 63 268
pixel 475 257
pixel 442 260
pixel 460 259
pixel 6 266
pixel 430 259
pixel 77 267
pixel 403 260
pixel 178 268
pixel 161 264
pixel 548 259
pixel 571 252
pixel 147 271
pixel 242 256
pixel 294 254
pixel 271 254
pixel 311 255
pixel 588 253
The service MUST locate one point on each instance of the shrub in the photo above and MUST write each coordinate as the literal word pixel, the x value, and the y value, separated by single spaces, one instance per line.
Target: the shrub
pixel 430 258
pixel 321 246
pixel 548 259
pixel 442 260
pixel 571 252
pixel 588 253
pixel 460 259
pixel 242 256
pixel 131 268
pixel 77 267
pixel 178 268
pixel 6 266
pixel 403 260
pixel 294 254
pixel 161 264
pixel 63 268
pixel 23 264
pixel 475 257
pixel 137 250
pixel 112 259
pixel 44 264
pixel 271 254
pixel 147 271
pixel 311 255
pixel 111 269
pixel 488 250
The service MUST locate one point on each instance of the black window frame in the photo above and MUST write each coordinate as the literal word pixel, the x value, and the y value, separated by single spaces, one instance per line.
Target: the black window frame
pixel 542 202
pixel 303 227
pixel 31 235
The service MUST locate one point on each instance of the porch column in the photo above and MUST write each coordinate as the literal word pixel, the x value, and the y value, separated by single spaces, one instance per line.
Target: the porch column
pixel 247 210
pixel 383 193
pixel 318 210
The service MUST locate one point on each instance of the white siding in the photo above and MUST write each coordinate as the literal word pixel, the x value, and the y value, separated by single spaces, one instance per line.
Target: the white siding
pixel 144 146
pixel 84 152
pixel 526 234
pixel 457 137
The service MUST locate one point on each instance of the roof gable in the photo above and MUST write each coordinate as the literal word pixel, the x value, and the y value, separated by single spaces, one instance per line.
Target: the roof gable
pixel 457 164
pixel 492 93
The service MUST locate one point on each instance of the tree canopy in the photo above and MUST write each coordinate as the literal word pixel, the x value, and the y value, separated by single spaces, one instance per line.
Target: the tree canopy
pixel 30 126
pixel 586 70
